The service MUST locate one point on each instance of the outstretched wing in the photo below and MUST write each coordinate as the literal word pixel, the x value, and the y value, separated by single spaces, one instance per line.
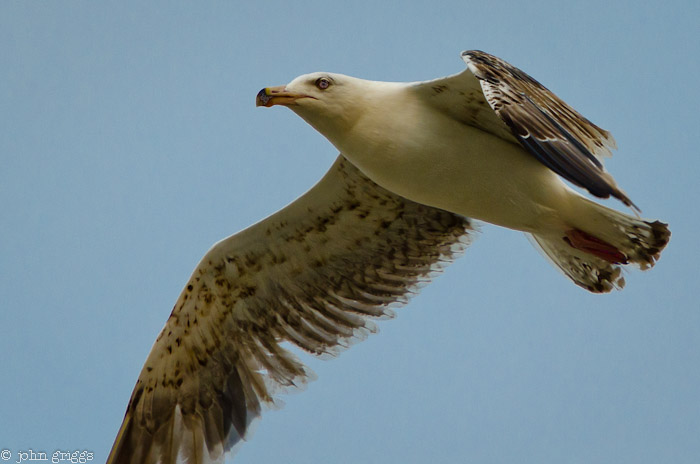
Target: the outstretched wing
pixel 313 274
pixel 503 100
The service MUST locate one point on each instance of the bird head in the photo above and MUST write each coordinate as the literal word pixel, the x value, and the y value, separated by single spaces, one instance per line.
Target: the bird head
pixel 331 103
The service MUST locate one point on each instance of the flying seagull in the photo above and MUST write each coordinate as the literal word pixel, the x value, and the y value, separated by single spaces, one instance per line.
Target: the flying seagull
pixel 418 161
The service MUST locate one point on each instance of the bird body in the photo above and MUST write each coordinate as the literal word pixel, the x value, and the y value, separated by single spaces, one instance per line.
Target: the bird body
pixel 489 143
pixel 441 162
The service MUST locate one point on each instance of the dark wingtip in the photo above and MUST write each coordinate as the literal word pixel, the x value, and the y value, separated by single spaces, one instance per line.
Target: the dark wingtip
pixel 626 200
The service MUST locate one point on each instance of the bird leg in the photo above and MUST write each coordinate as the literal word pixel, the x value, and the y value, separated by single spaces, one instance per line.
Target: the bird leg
pixel 586 242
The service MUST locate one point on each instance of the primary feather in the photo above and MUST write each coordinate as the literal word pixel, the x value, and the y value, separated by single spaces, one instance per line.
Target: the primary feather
pixel 314 274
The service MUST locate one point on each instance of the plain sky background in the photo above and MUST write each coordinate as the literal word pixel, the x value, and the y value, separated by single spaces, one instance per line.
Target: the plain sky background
pixel 130 143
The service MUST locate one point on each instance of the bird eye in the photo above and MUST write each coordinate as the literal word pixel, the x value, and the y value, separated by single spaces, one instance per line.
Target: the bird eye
pixel 323 83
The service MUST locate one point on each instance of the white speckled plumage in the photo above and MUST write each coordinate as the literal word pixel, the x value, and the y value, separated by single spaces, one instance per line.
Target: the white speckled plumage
pixel 314 274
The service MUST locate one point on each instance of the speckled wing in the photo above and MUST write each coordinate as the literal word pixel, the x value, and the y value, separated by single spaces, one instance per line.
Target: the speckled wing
pixel 314 274
pixel 505 101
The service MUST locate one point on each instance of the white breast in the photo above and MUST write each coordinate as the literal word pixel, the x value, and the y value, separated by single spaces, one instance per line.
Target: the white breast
pixel 428 157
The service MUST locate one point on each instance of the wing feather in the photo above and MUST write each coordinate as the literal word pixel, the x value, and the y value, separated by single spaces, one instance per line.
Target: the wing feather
pixel 503 100
pixel 313 274
pixel 551 130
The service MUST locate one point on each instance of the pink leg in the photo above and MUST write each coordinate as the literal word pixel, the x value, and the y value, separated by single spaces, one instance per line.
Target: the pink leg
pixel 586 242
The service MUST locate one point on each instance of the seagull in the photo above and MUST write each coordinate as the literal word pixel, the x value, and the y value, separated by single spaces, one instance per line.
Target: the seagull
pixel 419 163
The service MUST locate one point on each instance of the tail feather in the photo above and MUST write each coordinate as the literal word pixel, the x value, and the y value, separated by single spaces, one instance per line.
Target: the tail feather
pixel 593 252
pixel 586 270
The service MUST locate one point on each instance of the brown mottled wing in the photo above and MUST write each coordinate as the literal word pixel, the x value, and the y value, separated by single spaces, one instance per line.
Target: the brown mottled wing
pixel 558 136
pixel 313 274
pixel 503 100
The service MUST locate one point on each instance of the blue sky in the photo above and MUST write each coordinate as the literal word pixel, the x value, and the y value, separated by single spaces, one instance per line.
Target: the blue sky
pixel 130 143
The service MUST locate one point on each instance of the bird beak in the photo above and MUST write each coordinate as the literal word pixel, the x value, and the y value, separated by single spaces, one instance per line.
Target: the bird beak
pixel 279 95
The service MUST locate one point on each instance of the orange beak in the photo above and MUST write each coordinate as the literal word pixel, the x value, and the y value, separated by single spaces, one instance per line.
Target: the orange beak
pixel 270 96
